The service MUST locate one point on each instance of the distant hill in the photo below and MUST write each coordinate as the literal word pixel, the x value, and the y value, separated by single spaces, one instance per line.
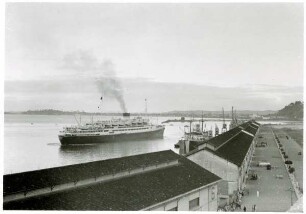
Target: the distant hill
pixel 227 114
pixel 195 113
pixel 292 111
pixel 59 112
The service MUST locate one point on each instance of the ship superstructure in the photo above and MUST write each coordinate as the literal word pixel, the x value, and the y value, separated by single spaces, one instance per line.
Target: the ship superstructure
pixel 121 129
pixel 196 134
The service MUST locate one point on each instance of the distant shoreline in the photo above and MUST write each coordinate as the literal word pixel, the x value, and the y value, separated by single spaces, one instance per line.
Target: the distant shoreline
pixel 177 114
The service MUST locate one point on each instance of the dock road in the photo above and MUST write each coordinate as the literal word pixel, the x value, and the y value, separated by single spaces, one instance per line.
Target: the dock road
pixel 272 191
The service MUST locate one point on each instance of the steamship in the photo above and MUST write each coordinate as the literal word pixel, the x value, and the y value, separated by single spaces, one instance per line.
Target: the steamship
pixel 197 135
pixel 114 130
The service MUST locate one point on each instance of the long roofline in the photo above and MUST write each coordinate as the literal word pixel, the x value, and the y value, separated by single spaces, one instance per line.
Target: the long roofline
pixel 200 178
pixel 226 157
pixel 242 130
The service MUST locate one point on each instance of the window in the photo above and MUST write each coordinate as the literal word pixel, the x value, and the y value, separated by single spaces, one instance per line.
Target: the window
pixel 173 209
pixel 194 203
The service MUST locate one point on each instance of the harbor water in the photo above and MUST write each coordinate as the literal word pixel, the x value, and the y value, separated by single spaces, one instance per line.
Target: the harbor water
pixel 31 142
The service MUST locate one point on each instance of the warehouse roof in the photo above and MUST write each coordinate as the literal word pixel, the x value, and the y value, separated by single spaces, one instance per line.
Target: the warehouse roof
pixel 232 145
pixel 253 121
pixel 59 175
pixel 235 149
pixel 251 129
pixel 222 138
pixel 254 125
pixel 217 141
pixel 244 125
pixel 134 192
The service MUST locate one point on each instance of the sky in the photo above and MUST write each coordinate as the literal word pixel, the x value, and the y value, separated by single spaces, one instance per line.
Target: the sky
pixel 200 56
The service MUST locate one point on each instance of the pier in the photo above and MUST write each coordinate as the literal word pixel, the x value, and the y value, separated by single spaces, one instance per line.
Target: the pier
pixel 273 190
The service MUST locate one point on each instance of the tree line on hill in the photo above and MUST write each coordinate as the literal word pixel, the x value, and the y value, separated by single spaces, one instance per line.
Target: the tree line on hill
pixel 292 111
pixel 194 113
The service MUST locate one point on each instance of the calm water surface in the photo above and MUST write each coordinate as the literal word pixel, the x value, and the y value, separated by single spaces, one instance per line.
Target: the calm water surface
pixel 31 142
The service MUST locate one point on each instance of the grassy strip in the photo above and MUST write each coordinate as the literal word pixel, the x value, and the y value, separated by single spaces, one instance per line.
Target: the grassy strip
pixel 296 134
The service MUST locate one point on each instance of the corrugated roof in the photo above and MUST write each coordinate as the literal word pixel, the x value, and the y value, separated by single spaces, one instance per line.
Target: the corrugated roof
pixel 254 125
pixel 235 149
pixel 251 129
pixel 222 138
pixel 65 174
pixel 256 122
pixel 232 145
pixel 246 124
pixel 129 193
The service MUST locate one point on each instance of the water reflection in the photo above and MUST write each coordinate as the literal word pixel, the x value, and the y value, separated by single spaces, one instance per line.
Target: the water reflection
pixel 38 146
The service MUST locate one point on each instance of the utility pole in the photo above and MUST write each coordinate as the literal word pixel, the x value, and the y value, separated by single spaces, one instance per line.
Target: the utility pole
pixel 291 190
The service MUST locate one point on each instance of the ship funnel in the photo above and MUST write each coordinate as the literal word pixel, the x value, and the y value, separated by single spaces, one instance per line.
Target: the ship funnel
pixel 126 115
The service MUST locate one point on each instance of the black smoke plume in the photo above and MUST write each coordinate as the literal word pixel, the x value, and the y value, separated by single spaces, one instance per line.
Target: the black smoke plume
pixel 108 84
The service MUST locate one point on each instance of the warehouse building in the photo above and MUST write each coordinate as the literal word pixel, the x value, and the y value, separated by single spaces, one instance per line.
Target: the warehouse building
pixel 187 146
pixel 228 156
pixel 154 181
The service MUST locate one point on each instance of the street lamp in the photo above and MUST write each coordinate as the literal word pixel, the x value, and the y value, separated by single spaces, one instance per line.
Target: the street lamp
pixel 291 190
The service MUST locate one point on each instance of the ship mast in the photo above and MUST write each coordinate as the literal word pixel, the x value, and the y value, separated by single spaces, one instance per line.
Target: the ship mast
pixel 236 120
pixel 146 106
pixel 224 129
pixel 100 106
pixel 191 120
pixel 202 121
pixel 233 114
pixel 232 124
pixel 223 116
pixel 76 120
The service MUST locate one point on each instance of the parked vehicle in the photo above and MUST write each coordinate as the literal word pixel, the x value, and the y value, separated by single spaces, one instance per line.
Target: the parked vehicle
pixel 262 163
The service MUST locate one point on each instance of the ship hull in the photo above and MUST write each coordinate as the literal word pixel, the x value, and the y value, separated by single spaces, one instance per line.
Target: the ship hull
pixel 69 140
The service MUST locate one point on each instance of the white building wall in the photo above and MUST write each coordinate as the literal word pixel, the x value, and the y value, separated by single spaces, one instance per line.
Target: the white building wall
pixel 207 200
pixel 171 205
pixel 204 199
pixel 245 165
pixel 232 187
pixel 229 172
pixel 160 208
pixel 183 203
pixel 213 198
pixel 224 169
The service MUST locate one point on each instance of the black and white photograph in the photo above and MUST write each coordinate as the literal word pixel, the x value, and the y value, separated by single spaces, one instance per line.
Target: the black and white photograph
pixel 161 106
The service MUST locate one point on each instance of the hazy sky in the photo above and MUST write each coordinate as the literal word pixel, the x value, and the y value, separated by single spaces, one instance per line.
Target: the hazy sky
pixel 179 56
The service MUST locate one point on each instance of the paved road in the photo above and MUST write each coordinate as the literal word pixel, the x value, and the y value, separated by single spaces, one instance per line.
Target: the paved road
pixel 292 149
pixel 269 193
